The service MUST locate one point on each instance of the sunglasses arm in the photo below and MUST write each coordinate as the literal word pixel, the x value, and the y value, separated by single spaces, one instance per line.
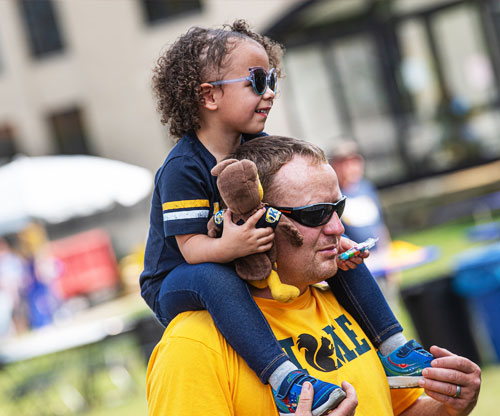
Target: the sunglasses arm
pixel 230 81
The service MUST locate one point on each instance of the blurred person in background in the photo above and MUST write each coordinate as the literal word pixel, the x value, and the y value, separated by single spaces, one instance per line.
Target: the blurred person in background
pixel 12 279
pixel 363 216
pixel 43 269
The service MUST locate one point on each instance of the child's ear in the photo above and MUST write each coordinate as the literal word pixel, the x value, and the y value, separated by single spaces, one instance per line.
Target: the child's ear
pixel 207 94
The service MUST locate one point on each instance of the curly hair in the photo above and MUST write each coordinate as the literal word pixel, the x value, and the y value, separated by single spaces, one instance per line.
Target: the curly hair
pixel 182 68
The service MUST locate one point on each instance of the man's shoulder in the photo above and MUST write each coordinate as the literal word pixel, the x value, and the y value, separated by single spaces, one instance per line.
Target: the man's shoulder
pixel 195 326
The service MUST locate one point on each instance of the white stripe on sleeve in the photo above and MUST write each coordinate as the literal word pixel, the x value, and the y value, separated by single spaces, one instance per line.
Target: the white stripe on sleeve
pixel 183 215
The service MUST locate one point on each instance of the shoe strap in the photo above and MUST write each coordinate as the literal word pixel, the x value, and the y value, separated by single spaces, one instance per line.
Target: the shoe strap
pixel 410 346
pixel 295 377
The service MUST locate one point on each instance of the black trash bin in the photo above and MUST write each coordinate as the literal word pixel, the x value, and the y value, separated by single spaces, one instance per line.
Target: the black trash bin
pixel 440 317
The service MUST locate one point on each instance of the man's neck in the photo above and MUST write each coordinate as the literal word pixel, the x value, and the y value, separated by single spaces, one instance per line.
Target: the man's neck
pixel 260 293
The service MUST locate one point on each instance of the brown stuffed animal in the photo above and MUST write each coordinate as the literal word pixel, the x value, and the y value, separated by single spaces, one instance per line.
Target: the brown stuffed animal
pixel 240 189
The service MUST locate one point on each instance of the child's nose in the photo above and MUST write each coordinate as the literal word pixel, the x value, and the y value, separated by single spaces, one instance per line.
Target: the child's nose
pixel 269 94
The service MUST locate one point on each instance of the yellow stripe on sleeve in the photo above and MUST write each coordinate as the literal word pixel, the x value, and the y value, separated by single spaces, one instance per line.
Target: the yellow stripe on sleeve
pixel 189 203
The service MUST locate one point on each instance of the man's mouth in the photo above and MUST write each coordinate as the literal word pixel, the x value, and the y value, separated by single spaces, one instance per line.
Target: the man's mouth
pixel 331 250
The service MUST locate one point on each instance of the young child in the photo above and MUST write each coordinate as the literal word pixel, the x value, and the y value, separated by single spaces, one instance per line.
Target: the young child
pixel 215 88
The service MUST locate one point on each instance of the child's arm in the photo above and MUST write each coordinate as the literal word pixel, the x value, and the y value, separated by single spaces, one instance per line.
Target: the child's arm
pixel 236 241
pixel 353 262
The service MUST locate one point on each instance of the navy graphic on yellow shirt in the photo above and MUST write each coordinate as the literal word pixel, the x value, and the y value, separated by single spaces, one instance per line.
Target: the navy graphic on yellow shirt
pixel 317 356
pixel 327 353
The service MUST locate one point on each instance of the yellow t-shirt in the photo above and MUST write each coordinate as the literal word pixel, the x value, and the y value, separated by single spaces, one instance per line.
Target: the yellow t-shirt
pixel 194 371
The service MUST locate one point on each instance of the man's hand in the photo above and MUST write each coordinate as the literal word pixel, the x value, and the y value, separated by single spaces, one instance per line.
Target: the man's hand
pixel 448 372
pixel 346 408
pixel 352 263
pixel 305 400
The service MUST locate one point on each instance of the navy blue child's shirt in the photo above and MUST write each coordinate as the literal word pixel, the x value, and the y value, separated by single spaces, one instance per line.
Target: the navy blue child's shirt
pixel 185 197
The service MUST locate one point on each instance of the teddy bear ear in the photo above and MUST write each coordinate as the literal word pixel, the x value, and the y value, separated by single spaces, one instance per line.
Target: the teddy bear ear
pixel 219 167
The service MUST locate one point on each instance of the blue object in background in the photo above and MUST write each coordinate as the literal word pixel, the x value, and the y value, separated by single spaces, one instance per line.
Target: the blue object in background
pixel 483 232
pixel 40 299
pixel 477 277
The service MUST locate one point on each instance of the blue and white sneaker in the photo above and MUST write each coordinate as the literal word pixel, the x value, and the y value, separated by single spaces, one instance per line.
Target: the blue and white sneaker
pixel 326 396
pixel 403 367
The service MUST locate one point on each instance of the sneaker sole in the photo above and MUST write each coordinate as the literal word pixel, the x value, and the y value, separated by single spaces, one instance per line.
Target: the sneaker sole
pixel 333 401
pixel 403 382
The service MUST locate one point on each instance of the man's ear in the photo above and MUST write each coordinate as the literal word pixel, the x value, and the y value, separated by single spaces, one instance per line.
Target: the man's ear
pixel 208 98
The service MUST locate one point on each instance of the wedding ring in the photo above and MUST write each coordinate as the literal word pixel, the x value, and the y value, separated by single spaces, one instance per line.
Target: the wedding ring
pixel 457 394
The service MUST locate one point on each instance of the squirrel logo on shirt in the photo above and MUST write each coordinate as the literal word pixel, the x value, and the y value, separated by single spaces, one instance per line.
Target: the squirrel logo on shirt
pixel 317 356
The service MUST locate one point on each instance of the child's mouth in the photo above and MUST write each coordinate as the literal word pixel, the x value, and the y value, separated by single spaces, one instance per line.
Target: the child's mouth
pixel 264 112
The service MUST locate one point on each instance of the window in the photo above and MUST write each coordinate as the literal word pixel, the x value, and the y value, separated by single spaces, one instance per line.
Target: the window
pixel 42 27
pixel 158 10
pixel 68 132
pixel 7 143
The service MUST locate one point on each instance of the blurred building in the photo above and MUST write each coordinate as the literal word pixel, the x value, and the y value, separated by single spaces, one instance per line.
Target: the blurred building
pixel 414 82
pixel 75 75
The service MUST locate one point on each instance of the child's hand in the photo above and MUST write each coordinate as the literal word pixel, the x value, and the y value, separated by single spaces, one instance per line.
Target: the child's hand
pixel 241 240
pixel 352 263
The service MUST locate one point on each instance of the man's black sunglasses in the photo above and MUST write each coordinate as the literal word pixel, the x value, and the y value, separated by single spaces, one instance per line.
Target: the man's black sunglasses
pixel 314 215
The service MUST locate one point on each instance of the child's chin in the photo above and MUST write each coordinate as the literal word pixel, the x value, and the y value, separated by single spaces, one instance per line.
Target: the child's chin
pixel 256 130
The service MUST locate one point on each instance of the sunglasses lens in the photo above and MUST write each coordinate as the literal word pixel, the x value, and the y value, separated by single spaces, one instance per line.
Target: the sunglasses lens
pixel 273 80
pixel 316 215
pixel 340 207
pixel 320 214
pixel 260 81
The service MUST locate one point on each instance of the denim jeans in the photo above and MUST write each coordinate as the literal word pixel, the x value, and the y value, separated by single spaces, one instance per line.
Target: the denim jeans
pixel 358 292
pixel 218 289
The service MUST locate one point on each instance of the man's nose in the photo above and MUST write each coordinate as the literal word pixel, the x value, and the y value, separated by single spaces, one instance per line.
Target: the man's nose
pixel 334 226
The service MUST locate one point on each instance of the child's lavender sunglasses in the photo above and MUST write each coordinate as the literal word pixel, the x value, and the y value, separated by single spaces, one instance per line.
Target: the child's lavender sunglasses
pixel 259 78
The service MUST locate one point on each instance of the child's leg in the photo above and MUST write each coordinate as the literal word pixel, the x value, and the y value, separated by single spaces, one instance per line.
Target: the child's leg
pixel 218 289
pixel 359 293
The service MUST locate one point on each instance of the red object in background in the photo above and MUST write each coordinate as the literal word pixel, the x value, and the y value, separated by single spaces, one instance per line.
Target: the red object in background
pixel 88 263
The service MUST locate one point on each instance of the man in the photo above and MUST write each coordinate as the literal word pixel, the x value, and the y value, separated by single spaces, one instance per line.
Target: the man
pixel 314 330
